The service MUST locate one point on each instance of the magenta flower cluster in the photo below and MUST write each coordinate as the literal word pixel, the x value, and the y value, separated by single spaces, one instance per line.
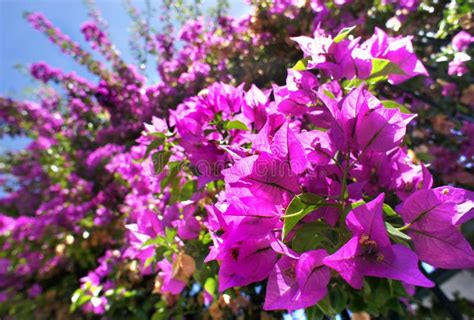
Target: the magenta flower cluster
pixel 233 174
pixel 271 157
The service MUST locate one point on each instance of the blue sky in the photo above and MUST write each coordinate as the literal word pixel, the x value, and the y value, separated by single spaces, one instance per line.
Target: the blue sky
pixel 21 44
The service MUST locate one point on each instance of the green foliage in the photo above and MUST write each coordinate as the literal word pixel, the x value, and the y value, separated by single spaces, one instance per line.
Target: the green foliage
pixel 302 64
pixel 396 234
pixel 312 236
pixel 344 33
pixel 381 69
pixel 299 207
pixel 390 104
pixel 235 124
pixel 160 159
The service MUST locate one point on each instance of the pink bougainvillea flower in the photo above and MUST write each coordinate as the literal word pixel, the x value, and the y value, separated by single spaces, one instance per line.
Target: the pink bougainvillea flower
pixel 157 125
pixel 365 123
pixel 96 305
pixel 247 217
pixel 370 253
pixel 297 283
pixel 147 227
pixel 301 80
pixel 223 97
pixel 342 59
pixel 375 170
pixel 318 5
pixel 208 298
pixel 288 148
pixel 317 146
pixel 461 41
pixel 263 176
pixel 188 227
pixel 340 62
pixel 298 95
pixel 458 67
pixel 398 50
pixel 433 217
pixel 380 129
pixel 464 200
pixel 316 48
pixel 245 262
pixel 376 127
pixel 254 107
pixel 168 283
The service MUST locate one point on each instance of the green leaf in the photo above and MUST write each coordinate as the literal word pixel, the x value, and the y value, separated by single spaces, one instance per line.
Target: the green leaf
pixel 390 104
pixel 149 261
pixel 381 69
pixel 393 232
pixel 326 307
pixel 357 302
pixel 160 159
pixel 329 94
pixel 314 313
pixel 398 290
pixel 357 204
pixel 351 84
pixel 425 157
pixel 78 299
pixel 154 241
pixel 188 190
pixel 301 65
pixel 174 192
pixel 173 172
pixel 338 298
pixel 378 294
pixel 343 34
pixel 160 252
pixel 95 290
pixel 170 234
pixel 159 135
pixel 384 67
pixel 299 207
pixel 76 295
pixel 210 285
pixel 160 314
pixel 235 124
pixel 152 146
pixel 389 210
pixel 205 237
pixel 312 236
pixel 311 198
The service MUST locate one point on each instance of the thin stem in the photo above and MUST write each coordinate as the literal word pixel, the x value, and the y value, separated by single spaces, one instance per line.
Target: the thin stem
pixel 330 157
pixel 405 227
pixel 344 188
